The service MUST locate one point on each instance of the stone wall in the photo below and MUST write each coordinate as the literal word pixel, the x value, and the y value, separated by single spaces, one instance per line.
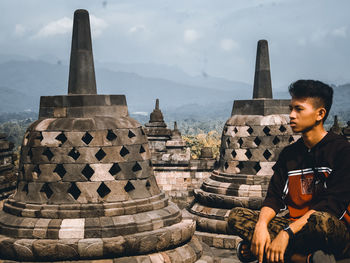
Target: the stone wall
pixel 178 180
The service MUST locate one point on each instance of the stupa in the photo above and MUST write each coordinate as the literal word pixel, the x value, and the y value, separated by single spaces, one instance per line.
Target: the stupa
pixel 157 132
pixel 346 131
pixel 336 127
pixel 8 176
pixel 251 141
pixel 86 190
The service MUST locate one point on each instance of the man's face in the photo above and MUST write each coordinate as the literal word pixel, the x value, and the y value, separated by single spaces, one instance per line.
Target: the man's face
pixel 304 115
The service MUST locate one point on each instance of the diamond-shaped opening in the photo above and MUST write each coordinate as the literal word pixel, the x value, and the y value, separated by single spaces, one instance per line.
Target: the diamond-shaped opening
pixel 142 150
pixel 37 170
pixel 47 190
pixel 257 167
pixel 250 130
pixel 88 171
pixel 111 135
pixel 240 141
pixel 30 153
pixel 25 188
pixel 235 130
pixel 291 139
pixel 74 154
pixel 124 151
pixel 87 138
pixel 282 128
pixel 226 165
pixel 40 136
pixel 100 155
pixel 225 129
pixel 137 167
pixel 233 153
pixel 228 142
pixel 142 131
pixel 47 152
pixel 267 154
pixel 60 170
pixel 131 134
pixel 129 187
pixel 61 137
pixel 267 130
pixel 115 169
pixel 74 191
pixel 148 185
pixel 276 140
pixel 240 165
pixel 248 154
pixel 257 141
pixel 103 190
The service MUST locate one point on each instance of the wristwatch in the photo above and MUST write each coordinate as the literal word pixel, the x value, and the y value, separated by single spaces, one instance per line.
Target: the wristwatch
pixel 289 232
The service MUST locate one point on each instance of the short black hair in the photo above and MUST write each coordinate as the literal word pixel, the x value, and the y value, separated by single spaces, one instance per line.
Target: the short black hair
pixel 313 89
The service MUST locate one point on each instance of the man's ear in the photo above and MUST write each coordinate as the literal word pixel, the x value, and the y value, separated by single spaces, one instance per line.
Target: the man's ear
pixel 321 113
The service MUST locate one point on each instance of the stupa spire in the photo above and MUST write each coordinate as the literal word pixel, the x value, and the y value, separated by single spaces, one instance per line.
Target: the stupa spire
pixel 262 78
pixel 81 71
pixel 157 104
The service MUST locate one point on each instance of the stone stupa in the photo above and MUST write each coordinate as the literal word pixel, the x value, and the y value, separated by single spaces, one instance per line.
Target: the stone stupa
pixel 8 176
pixel 86 190
pixel 251 141
pixel 157 132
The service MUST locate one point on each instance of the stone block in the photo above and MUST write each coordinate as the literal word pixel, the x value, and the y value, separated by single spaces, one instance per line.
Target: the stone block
pixel 113 246
pixel 72 228
pixel 90 247
pixel 24 249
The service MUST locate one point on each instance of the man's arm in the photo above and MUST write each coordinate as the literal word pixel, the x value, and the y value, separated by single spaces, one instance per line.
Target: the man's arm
pixel 275 251
pixel 261 237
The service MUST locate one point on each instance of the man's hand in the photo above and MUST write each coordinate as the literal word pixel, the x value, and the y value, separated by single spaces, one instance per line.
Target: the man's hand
pixel 261 240
pixel 275 251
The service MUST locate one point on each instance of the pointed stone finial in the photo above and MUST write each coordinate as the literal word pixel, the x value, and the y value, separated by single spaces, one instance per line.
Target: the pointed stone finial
pixel 175 126
pixel 262 79
pixel 81 71
pixel 336 127
pixel 157 104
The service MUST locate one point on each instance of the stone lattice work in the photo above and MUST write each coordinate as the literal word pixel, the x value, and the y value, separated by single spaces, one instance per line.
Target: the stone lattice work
pixel 251 141
pixel 86 189
pixel 8 176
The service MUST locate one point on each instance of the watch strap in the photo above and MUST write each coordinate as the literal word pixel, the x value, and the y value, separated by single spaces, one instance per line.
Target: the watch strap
pixel 289 232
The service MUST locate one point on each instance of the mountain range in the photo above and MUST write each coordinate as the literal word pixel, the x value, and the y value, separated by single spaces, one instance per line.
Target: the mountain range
pixel 23 81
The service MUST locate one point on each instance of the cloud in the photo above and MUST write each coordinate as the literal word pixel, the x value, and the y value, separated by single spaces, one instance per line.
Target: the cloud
pixel 228 44
pixel 19 30
pixel 137 28
pixel 98 25
pixel 64 25
pixel 58 27
pixel 190 36
pixel 340 32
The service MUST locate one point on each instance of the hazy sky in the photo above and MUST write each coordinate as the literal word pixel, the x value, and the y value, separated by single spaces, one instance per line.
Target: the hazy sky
pixel 307 38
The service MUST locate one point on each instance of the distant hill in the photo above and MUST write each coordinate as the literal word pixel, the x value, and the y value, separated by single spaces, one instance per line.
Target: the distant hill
pixel 23 82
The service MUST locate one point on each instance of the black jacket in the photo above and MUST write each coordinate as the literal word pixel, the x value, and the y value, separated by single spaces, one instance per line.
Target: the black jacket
pixel 317 179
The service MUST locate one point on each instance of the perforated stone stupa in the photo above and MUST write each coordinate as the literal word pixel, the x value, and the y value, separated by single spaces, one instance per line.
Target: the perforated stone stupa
pixel 8 176
pixel 86 189
pixel 251 141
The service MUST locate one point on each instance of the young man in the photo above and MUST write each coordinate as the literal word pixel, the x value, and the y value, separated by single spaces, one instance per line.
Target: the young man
pixel 312 180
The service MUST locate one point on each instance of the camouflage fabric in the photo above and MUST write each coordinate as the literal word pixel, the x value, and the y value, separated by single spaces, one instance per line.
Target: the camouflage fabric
pixel 322 232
